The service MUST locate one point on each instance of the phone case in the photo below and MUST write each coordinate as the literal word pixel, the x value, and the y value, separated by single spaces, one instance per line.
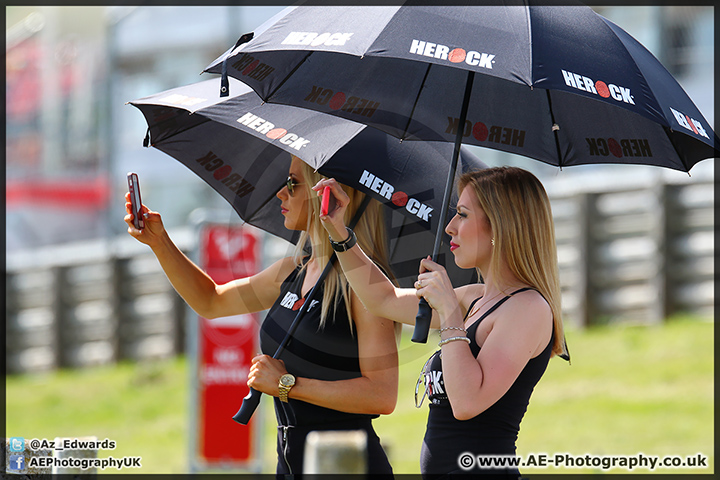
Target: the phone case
pixel 325 201
pixel 134 188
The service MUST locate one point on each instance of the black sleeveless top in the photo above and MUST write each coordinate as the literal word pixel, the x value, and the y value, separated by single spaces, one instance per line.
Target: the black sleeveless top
pixel 492 432
pixel 328 353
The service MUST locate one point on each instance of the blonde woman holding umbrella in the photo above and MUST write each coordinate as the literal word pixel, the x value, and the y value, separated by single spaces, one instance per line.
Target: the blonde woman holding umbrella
pixel 340 369
pixel 496 337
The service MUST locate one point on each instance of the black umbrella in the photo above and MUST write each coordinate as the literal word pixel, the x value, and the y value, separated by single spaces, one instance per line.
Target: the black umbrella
pixel 241 147
pixel 559 84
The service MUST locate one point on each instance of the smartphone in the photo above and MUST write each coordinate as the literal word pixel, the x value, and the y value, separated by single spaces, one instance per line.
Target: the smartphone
pixel 134 188
pixel 328 201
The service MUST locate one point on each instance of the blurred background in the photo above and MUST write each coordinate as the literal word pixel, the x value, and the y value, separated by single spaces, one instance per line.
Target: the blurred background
pixel 636 243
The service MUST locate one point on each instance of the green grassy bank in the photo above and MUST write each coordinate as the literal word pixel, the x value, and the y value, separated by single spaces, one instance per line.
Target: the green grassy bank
pixel 630 390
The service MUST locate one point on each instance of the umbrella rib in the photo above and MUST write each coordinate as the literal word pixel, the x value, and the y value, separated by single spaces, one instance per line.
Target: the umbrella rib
pixel 453 163
pixel 555 128
pixel 152 143
pixel 417 99
pixel 287 77
pixel 668 132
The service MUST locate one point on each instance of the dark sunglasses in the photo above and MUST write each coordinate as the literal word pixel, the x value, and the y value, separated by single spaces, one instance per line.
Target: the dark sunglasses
pixel 291 184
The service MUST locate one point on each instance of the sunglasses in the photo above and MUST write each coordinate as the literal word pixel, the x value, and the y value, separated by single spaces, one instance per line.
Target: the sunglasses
pixel 291 184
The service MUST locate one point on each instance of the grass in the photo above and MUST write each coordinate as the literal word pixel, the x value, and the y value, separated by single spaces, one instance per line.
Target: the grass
pixel 630 390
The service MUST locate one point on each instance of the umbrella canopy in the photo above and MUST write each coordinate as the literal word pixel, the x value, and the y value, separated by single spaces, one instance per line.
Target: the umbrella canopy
pixel 241 147
pixel 559 84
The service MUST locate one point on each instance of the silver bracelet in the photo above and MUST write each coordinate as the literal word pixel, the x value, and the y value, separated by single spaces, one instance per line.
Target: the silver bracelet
pixel 452 339
pixel 445 329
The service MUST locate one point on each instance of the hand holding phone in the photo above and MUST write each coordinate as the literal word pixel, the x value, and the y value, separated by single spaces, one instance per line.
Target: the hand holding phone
pixel 135 201
pixel 328 201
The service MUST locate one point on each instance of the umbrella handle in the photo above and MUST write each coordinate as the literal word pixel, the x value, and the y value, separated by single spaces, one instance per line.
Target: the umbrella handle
pixel 422 322
pixel 424 315
pixel 248 407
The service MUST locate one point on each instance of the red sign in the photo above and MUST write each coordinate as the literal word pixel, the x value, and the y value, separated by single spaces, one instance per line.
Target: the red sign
pixel 225 348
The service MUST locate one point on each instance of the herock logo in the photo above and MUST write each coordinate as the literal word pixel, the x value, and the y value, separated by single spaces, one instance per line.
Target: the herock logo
pixel 483 133
pixel 315 39
pixel 621 94
pixel 400 199
pixel 456 55
pixel 689 123
pixel 261 125
pixel 292 302
pixel 434 383
pixel 251 67
pixel 627 147
pixel 339 101
pixel 224 174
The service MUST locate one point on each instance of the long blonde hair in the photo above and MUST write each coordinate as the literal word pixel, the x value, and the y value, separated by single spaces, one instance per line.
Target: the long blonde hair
pixel 518 208
pixel 371 236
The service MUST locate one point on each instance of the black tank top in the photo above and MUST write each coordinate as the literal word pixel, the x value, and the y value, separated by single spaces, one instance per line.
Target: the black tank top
pixel 495 430
pixel 328 353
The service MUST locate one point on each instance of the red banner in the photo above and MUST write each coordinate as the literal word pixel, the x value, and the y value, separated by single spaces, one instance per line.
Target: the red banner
pixel 225 348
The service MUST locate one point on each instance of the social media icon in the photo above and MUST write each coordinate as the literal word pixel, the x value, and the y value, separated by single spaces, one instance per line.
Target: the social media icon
pixel 17 462
pixel 17 444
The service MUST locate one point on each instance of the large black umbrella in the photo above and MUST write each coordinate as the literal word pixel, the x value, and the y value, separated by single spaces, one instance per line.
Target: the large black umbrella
pixel 241 147
pixel 559 84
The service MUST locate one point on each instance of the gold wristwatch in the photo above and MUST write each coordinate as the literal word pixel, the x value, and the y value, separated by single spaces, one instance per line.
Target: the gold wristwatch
pixel 286 383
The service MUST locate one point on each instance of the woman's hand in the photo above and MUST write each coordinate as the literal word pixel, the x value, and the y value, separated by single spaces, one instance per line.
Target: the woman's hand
pixel 154 229
pixel 265 373
pixel 334 222
pixel 434 285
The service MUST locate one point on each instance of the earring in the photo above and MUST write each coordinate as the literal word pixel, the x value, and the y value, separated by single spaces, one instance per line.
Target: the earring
pixel 492 241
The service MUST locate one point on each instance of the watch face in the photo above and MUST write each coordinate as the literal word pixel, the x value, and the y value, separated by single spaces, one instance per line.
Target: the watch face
pixel 287 380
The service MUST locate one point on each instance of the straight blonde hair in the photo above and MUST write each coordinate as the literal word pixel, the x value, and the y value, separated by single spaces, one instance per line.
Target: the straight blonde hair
pixel 518 208
pixel 371 236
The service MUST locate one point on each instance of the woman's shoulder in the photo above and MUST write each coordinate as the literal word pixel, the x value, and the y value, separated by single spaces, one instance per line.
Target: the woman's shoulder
pixel 529 308
pixel 466 294
pixel 530 297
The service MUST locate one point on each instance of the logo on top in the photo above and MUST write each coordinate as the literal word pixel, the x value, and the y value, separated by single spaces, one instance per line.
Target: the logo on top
pixel 398 198
pixel 579 82
pixel 315 39
pixel 16 444
pixel 262 126
pixel 689 123
pixel 182 100
pixel 456 55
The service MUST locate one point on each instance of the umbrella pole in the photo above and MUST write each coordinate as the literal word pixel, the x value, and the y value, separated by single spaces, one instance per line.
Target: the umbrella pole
pixel 424 315
pixel 251 401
